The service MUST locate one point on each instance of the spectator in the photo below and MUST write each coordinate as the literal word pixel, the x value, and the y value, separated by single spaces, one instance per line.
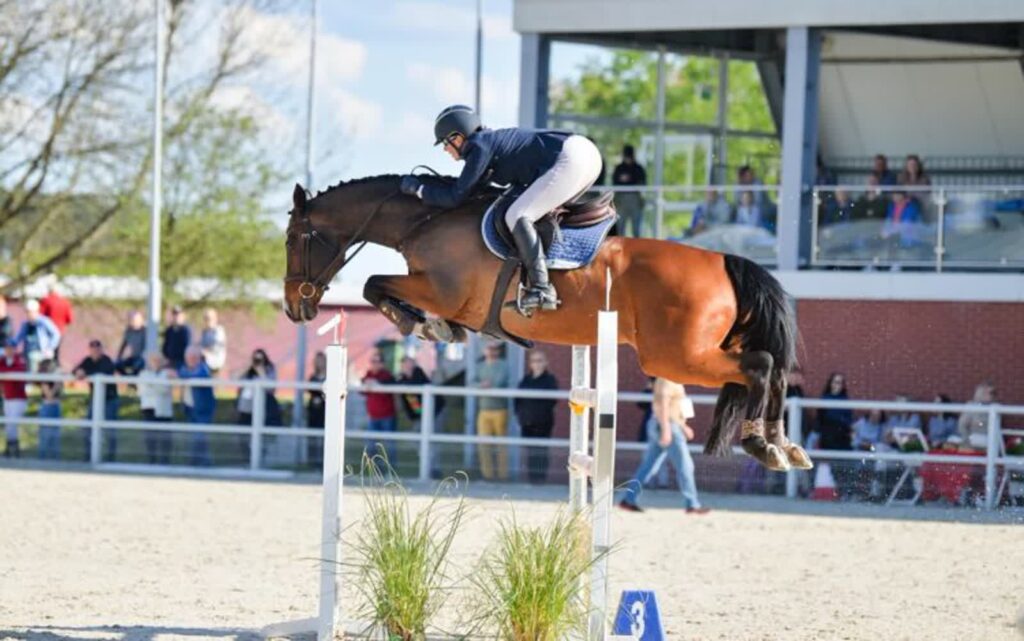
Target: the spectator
pixel 214 342
pixel 748 212
pixel 869 431
pixel 199 402
pixel 49 407
pixel 380 406
pixel 833 432
pixel 901 218
pixel 6 325
pixel 492 417
pixel 942 425
pixel 713 212
pixel 38 336
pixel 131 354
pixel 973 426
pixel 156 399
pixel 412 404
pixel 177 337
pixel 537 415
pixel 873 204
pixel 838 209
pixel 913 174
pixel 261 368
pixel 316 409
pixel 667 436
pixel 630 204
pixel 881 171
pixel 97 362
pixel 823 175
pixel 57 309
pixel 15 399
pixel 745 176
pixel 904 418
pixel 647 409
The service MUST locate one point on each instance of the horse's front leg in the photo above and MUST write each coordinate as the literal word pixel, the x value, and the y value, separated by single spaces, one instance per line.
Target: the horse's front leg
pixel 402 299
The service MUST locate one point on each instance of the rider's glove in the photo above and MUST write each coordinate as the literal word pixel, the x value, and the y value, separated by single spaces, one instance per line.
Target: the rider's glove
pixel 411 185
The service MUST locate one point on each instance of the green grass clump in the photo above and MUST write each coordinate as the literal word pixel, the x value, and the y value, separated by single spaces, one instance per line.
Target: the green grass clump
pixel 528 585
pixel 400 558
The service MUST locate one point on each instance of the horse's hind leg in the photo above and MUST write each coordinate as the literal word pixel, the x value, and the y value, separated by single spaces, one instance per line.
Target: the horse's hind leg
pixel 757 367
pixel 775 426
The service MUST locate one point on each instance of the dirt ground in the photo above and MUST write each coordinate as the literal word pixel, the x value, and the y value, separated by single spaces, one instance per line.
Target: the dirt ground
pixel 88 556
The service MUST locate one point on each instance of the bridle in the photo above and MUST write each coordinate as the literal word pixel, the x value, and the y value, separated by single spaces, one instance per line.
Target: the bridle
pixel 310 285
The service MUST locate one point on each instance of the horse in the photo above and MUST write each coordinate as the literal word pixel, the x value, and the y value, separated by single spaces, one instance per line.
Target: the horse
pixel 693 316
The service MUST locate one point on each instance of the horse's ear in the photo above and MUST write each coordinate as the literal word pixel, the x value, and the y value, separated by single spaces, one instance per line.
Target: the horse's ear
pixel 299 197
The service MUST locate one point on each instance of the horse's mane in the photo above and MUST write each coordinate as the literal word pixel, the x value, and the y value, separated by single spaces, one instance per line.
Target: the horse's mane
pixel 486 191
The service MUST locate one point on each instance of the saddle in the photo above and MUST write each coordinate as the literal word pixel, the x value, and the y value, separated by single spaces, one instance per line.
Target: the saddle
pixel 590 208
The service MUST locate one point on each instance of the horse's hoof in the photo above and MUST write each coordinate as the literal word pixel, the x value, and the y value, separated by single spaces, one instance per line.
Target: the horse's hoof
pixel 798 457
pixel 775 459
pixel 435 329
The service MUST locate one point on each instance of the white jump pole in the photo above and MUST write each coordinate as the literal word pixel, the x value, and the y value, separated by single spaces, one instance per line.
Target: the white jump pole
pixel 601 467
pixel 328 623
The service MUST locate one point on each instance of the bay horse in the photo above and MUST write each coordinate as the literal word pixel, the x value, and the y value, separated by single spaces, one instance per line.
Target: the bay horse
pixel 693 316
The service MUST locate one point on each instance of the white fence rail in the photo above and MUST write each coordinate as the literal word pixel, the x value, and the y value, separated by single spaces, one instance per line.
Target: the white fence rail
pixel 994 461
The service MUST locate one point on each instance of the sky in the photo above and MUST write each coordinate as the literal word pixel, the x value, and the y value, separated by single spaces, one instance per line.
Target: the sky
pixel 384 70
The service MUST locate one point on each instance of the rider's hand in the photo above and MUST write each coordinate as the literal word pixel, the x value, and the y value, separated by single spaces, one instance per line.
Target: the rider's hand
pixel 411 185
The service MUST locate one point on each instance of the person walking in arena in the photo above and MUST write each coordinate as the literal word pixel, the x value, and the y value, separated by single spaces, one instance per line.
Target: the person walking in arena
pixel 667 437
pixel 554 167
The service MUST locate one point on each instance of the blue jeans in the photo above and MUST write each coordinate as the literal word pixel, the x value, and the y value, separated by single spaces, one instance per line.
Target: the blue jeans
pixel 49 435
pixel 677 453
pixel 110 408
pixel 198 443
pixel 389 424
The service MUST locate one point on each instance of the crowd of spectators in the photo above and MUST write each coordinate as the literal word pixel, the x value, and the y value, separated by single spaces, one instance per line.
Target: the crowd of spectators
pixel 879 431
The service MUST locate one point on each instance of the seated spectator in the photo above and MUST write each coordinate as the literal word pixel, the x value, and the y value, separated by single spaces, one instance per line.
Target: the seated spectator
pixel 913 174
pixel 537 415
pixel 49 407
pixel 838 209
pixel 942 425
pixel 156 399
pixel 973 426
pixel 903 214
pixel 873 204
pixel 749 212
pixel 15 398
pixel 745 176
pixel 97 362
pixel 881 171
pixel 904 418
pixel 38 336
pixel 869 431
pixel 714 211
pixel 130 356
pixel 200 404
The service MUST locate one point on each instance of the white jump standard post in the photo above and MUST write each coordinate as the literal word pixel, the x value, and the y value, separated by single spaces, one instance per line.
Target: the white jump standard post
pixel 328 623
pixel 603 398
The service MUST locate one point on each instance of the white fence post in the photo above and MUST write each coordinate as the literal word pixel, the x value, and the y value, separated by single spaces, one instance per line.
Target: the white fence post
pixel 259 420
pixel 99 406
pixel 991 452
pixel 579 426
pixel 796 434
pixel 334 465
pixel 426 431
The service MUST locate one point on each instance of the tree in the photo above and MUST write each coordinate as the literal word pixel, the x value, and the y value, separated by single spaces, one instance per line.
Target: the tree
pixel 75 156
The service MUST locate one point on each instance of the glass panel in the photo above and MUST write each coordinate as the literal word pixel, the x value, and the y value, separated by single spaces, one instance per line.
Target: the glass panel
pixel 595 81
pixel 691 89
pixel 746 105
pixel 734 219
pixel 883 227
pixel 984 227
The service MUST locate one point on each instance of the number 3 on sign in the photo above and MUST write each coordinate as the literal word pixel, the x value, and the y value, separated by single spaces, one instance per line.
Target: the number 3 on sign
pixel 638 616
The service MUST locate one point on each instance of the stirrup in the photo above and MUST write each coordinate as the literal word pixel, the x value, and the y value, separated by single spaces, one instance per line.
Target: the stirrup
pixel 529 299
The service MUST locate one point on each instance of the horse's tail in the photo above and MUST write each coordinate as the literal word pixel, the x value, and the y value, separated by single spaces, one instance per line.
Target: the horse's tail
pixel 764 322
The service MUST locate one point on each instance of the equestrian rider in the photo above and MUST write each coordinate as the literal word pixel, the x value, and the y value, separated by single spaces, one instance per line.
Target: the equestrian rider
pixel 554 167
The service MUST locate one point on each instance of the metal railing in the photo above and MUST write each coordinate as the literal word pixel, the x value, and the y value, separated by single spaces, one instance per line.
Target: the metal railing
pixel 427 437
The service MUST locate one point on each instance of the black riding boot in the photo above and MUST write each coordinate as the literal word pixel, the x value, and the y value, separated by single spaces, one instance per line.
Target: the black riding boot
pixel 540 293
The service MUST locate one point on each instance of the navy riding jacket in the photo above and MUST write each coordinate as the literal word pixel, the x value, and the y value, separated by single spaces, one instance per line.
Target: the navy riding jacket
pixel 513 156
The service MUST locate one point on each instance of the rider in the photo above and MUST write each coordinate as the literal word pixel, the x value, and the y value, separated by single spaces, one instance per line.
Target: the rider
pixel 554 166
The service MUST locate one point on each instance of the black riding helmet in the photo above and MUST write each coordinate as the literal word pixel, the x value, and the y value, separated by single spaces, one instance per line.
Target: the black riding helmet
pixel 457 119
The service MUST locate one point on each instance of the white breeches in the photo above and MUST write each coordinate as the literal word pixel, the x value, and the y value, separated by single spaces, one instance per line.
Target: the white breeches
pixel 574 172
